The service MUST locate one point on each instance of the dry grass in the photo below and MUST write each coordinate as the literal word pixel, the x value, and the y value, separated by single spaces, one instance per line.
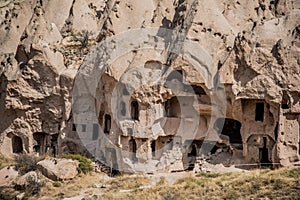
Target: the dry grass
pixel 282 183
pixel 4 161
pixel 70 188
pixel 257 184
pixel 87 184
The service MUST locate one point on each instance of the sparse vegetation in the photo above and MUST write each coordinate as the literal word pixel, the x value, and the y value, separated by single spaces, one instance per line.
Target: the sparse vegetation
pixel 257 184
pixel 34 186
pixel 4 161
pixel 85 164
pixel 82 37
pixel 26 163
pixel 56 184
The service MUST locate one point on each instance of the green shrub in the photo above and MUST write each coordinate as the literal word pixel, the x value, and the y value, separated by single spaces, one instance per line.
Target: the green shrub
pixel 208 175
pixel 56 184
pixel 83 37
pixel 26 163
pixel 85 164
pixel 34 186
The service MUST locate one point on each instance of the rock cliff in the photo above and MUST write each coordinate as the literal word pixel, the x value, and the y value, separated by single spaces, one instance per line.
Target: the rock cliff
pixel 254 45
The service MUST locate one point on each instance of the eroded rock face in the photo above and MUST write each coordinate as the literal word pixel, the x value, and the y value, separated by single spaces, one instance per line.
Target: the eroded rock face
pixel 254 47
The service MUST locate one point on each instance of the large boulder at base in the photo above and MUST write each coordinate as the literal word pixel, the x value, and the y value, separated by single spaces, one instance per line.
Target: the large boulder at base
pixel 58 169
pixel 22 181
pixel 7 175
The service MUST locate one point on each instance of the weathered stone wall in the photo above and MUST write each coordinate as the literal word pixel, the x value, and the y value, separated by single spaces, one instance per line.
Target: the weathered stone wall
pixel 254 47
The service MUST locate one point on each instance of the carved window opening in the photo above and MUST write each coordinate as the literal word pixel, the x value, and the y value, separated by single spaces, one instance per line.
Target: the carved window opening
pixel 39 143
pixel 264 153
pixel 198 90
pixel 73 127
pixel 95 131
pixel 54 146
pixel 153 148
pixel 172 107
pixel 259 111
pixel 134 110
pixel 17 144
pixel 123 109
pixel 192 157
pixel 285 101
pixel 107 124
pixel 231 128
pixel 178 75
pixel 125 91
pixel 132 148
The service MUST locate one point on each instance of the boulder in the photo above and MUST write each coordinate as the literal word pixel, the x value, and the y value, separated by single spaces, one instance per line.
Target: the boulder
pixel 58 169
pixel 22 181
pixel 7 175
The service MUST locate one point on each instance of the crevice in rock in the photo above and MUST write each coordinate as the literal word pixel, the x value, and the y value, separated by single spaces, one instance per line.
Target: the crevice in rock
pixel 104 30
pixel 276 52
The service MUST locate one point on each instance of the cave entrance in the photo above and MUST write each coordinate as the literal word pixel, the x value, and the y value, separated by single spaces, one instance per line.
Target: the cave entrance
pixel 259 111
pixel 264 154
pixel 134 110
pixel 54 144
pixel 172 107
pixel 231 128
pixel 17 144
pixel 192 157
pixel 178 75
pixel 39 143
pixel 191 153
pixel 113 161
pixel 107 123
pixel 153 148
pixel 132 148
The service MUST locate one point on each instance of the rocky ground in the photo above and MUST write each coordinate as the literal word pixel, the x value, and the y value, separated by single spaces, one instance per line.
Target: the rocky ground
pixel 56 178
pixel 264 183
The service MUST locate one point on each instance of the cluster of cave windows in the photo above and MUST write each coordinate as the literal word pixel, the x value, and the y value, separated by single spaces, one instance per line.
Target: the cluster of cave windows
pixel 42 143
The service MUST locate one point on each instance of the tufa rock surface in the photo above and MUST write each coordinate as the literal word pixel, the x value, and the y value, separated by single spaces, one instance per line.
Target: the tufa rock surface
pixel 254 46
pixel 58 169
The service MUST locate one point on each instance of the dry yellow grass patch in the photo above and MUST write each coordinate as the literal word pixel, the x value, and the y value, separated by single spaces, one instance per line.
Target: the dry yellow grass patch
pixel 4 161
pixel 59 190
pixel 257 184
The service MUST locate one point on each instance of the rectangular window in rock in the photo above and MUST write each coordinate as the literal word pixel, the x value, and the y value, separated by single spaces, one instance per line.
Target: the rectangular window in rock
pixel 73 127
pixel 134 110
pixel 95 131
pixel 153 148
pixel 107 124
pixel 259 111
pixel 83 127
